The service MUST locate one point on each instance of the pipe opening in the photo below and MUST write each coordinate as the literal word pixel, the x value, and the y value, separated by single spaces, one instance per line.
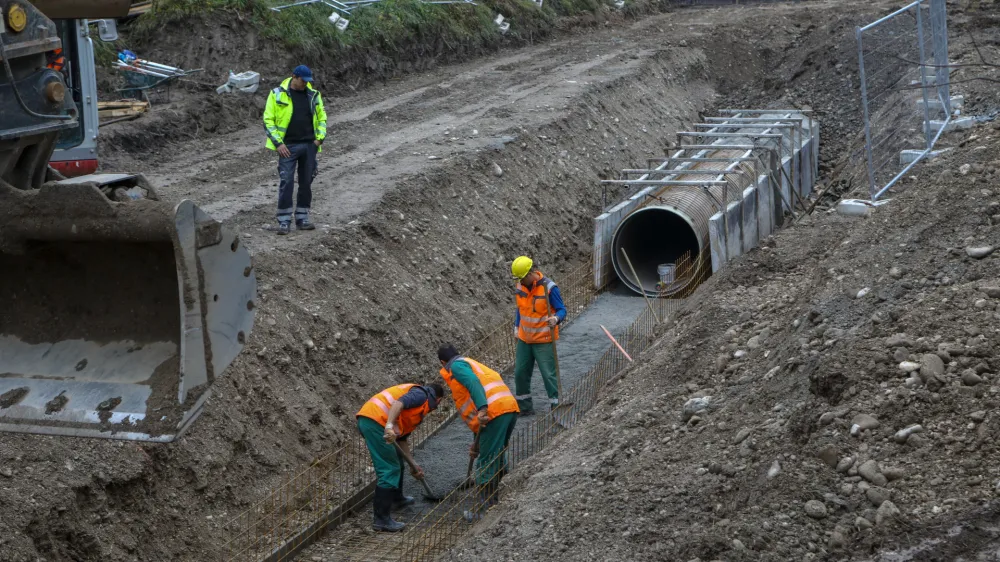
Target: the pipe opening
pixel 652 237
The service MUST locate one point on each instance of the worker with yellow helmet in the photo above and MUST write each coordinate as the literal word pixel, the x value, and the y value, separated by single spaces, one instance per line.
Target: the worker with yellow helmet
pixel 540 309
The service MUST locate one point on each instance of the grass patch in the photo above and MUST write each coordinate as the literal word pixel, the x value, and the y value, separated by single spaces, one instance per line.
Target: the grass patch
pixel 388 27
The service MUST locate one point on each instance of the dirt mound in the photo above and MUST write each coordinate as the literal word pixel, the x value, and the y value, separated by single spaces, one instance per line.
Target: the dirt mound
pixel 852 369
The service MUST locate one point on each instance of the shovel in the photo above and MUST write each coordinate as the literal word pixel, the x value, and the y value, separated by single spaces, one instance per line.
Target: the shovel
pixel 429 494
pixel 560 412
pixel 472 460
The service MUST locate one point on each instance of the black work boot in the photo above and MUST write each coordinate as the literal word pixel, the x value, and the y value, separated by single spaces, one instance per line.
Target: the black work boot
pixel 304 224
pixel 381 505
pixel 284 227
pixel 400 501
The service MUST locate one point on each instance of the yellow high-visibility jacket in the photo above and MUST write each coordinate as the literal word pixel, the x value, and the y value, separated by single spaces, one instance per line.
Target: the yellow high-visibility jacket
pixel 278 114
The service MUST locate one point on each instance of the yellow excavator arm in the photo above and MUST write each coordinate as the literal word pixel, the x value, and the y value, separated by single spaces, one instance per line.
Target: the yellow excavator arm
pixel 118 310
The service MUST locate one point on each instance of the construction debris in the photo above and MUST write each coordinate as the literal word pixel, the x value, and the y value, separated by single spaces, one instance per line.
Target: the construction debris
pixel 245 82
pixel 121 108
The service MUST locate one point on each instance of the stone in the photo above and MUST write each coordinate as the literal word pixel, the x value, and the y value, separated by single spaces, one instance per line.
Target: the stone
pixel 861 294
pixel 753 343
pixel 7 472
pixel 861 523
pixel 497 170
pixel 865 422
pixel 903 435
pixel 741 435
pixel 829 455
pixel 877 495
pixel 992 292
pixel 887 512
pixel 815 509
pixel 895 272
pixel 899 340
pixel 979 416
pixel 827 418
pixel 774 470
pixel 979 252
pixel 837 540
pixel 964 169
pixel 870 472
pixel 845 464
pixel 909 366
pixel 931 366
pixel 970 378
pixel 901 354
pixel 893 473
pixel 738 545
pixel 694 406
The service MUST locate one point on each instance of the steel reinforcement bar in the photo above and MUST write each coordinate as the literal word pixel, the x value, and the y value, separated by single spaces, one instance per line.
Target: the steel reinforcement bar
pixel 445 525
pixel 323 494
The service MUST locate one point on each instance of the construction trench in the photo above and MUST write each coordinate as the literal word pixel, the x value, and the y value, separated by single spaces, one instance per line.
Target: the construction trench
pixel 744 175
pixel 415 219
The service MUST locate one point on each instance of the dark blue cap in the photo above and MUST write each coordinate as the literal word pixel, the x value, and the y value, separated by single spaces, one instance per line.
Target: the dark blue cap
pixel 302 71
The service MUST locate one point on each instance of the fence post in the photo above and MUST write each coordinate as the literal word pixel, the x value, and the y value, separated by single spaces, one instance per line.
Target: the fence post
pixel 923 76
pixel 864 104
pixel 939 30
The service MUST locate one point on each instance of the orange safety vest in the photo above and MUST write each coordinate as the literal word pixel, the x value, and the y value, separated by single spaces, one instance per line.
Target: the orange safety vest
pixel 56 60
pixel 499 399
pixel 377 408
pixel 534 308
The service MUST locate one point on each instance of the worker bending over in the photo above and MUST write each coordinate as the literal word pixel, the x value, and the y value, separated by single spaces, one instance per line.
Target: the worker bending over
pixel 540 309
pixel 387 418
pixel 490 410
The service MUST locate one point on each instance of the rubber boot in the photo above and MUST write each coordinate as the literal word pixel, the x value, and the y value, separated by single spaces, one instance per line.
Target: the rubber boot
pixel 399 500
pixel 488 497
pixel 381 505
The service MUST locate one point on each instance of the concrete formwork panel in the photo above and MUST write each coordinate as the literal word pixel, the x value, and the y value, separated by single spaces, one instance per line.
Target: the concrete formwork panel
pixel 765 207
pixel 717 241
pixel 750 218
pixel 734 224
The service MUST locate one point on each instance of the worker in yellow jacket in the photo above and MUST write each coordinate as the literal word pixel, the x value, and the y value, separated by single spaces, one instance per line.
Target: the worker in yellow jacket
pixel 295 122
pixel 488 407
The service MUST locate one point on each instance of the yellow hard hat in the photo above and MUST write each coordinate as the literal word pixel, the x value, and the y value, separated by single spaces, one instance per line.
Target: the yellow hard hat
pixel 521 267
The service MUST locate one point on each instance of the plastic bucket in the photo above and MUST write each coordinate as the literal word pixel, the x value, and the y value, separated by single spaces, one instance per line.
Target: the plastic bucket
pixel 666 273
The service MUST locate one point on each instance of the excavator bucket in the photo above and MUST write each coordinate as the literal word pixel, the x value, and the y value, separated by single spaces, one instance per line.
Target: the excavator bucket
pixel 117 310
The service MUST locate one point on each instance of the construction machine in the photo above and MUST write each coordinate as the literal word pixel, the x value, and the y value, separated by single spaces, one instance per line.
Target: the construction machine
pixel 118 309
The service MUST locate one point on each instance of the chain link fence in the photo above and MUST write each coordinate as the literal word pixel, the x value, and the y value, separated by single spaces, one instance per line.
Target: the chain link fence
pixel 905 98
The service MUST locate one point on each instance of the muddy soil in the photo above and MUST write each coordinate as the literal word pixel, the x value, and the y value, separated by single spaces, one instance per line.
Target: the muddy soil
pixel 418 231
pixel 816 350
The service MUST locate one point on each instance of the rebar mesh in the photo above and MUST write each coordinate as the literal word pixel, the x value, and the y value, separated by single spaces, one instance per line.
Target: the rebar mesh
pixel 329 489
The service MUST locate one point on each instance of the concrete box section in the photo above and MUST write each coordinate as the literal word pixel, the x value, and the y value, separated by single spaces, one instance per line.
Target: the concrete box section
pixel 702 199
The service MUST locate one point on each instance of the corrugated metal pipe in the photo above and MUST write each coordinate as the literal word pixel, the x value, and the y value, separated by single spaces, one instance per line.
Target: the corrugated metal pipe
pixel 660 234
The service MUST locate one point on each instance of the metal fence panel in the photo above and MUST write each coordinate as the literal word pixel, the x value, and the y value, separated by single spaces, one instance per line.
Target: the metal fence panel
pixel 904 86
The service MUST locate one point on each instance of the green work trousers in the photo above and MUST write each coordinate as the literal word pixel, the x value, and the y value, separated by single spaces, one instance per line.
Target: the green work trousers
pixel 386 459
pixel 524 365
pixel 493 441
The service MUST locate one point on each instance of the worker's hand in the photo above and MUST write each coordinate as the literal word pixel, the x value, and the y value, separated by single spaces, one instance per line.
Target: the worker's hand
pixel 473 451
pixel 283 151
pixel 317 142
pixel 390 435
pixel 484 417
pixel 417 472
pixel 552 321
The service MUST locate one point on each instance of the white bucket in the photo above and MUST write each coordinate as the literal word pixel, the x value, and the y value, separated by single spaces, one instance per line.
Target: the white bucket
pixel 666 273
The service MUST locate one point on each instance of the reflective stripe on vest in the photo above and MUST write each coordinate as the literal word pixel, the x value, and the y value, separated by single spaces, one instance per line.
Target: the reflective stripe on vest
pixel 533 307
pixel 377 408
pixel 499 399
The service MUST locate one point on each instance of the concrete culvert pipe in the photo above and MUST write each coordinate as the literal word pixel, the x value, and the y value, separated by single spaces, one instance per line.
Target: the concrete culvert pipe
pixel 662 234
